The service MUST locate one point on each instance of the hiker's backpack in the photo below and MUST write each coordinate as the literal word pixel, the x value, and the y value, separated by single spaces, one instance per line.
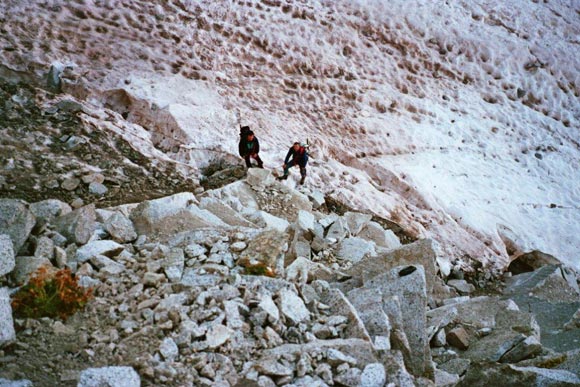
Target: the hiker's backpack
pixel 244 130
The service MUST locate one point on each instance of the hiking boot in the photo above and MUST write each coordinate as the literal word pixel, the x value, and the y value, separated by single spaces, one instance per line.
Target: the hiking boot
pixel 282 177
pixel 302 180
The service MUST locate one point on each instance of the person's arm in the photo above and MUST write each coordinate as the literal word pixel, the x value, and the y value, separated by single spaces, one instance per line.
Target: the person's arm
pixel 257 145
pixel 241 147
pixel 290 152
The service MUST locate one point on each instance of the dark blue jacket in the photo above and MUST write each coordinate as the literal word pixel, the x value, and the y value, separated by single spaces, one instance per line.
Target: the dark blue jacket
pixel 299 156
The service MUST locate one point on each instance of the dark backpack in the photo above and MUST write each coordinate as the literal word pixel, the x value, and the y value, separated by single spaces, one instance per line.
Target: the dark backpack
pixel 244 130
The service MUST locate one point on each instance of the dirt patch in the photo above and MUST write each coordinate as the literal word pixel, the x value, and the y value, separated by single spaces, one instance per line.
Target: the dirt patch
pixel 42 148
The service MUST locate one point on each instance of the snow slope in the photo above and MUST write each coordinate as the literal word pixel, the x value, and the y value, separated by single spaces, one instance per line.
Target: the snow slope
pixel 457 119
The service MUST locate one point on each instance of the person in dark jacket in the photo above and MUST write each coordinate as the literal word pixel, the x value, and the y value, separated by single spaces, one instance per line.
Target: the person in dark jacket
pixel 297 155
pixel 249 147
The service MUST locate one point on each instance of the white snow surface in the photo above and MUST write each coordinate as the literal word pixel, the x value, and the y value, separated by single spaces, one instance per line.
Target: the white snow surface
pixel 459 120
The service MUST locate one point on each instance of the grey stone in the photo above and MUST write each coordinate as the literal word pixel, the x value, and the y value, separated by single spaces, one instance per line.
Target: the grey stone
pixel 7 262
pixel 338 230
pixel 7 332
pixel 77 226
pixel 109 376
pixel 373 375
pixel 335 358
pixel 70 183
pixel 170 215
pixel 260 177
pixel 462 286
pixel 16 221
pixel 439 318
pixel 269 221
pixel 15 383
pixel 303 271
pixel 27 266
pixel 355 249
pixel 224 212
pixel 120 228
pixel 439 339
pixel 305 221
pixel 456 366
pixel 359 349
pixel 44 248
pixel 382 238
pixel 340 305
pixel 97 188
pixel 409 285
pixel 316 198
pixel 292 307
pixel 107 265
pixel 356 221
pixel 547 283
pixel 174 264
pixel 218 335
pixel 489 374
pixel 525 349
pixel 368 303
pixel 107 248
pixel 168 349
pixel 47 211
pixel 424 252
pixel 445 379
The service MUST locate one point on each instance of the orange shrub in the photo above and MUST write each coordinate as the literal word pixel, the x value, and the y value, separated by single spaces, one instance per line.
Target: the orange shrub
pixel 50 295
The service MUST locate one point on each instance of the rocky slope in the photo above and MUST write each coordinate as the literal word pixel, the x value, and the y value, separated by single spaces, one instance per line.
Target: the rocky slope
pixel 395 98
pixel 257 284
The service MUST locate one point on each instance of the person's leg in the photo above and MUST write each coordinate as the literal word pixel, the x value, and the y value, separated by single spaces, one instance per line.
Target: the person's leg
pixel 248 163
pixel 286 170
pixel 259 160
pixel 302 174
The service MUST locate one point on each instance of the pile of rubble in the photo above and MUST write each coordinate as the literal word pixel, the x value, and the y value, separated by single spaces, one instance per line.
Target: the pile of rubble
pixel 253 284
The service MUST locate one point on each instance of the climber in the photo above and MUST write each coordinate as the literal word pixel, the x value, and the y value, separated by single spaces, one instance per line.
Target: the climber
pixel 249 147
pixel 299 156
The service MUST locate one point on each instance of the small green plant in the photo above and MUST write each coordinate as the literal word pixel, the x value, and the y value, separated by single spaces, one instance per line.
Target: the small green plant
pixel 50 294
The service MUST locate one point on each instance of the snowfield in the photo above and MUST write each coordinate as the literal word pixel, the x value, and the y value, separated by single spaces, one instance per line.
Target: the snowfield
pixel 459 120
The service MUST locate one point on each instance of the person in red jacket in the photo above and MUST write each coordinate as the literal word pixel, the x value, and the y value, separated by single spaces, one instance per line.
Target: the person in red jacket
pixel 249 147
pixel 297 155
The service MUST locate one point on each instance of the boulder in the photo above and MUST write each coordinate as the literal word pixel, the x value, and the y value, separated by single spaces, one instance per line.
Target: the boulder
pixel 260 178
pixel 16 221
pixel 368 303
pixel 106 248
pixel 266 248
pixel 269 221
pixel 27 266
pixel 77 226
pixel 356 221
pixel 224 212
pixel 15 383
pixel 409 285
pixel 7 332
pixel 120 228
pixel 491 374
pixel 292 307
pixel 373 231
pixel 373 375
pixel 423 252
pixel 47 211
pixel 354 249
pixel 109 376
pixel 174 264
pixel 305 221
pixel 7 262
pixel 171 215
pixel 44 248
